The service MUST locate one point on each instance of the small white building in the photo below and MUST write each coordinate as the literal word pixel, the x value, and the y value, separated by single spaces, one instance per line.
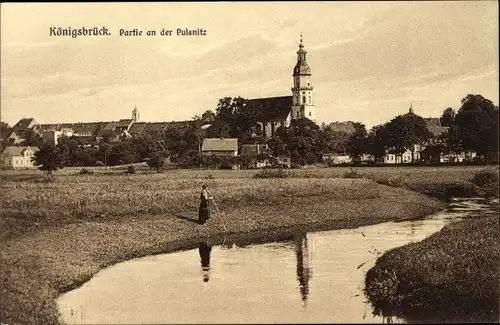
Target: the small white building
pixel 18 157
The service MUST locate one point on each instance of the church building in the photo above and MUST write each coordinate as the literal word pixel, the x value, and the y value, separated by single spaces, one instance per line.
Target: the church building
pixel 280 111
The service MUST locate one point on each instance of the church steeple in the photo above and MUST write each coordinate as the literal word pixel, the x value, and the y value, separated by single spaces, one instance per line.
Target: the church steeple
pixel 135 114
pixel 302 87
pixel 301 68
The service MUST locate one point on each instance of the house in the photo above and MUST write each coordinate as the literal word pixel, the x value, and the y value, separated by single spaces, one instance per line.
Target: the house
pixel 52 136
pixel 15 137
pixel 225 147
pixel 336 158
pixel 18 157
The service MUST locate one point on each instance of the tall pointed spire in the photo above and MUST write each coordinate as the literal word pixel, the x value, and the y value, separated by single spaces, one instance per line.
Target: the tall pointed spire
pixel 301 45
pixel 411 108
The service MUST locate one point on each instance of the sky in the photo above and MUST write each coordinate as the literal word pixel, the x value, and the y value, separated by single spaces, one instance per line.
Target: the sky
pixel 369 60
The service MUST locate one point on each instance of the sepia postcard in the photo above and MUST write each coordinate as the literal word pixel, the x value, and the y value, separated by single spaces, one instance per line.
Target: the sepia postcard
pixel 249 162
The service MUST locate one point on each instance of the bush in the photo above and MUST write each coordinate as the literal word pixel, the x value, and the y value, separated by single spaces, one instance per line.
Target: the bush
pixel 353 173
pixel 85 171
pixel 272 173
pixel 130 170
pixel 394 181
pixel 99 163
pixel 486 178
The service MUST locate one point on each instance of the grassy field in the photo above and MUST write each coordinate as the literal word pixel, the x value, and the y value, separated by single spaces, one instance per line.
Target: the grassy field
pixel 452 276
pixel 56 235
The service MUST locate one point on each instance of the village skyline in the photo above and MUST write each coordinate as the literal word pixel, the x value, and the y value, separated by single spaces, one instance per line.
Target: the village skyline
pixel 369 61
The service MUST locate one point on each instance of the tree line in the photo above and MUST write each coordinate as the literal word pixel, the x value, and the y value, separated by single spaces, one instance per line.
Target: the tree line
pixel 473 127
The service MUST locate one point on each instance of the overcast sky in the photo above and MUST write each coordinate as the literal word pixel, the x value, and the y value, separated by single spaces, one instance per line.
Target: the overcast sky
pixel 369 60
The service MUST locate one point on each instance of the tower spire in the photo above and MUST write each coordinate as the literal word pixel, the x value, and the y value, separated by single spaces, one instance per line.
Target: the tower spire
pixel 302 86
pixel 411 108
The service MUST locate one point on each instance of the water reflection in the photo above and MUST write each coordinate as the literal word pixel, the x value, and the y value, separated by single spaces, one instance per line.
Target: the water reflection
pixel 205 249
pixel 254 278
pixel 304 271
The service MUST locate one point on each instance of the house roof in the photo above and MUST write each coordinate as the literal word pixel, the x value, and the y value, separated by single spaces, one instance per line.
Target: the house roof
pixel 18 151
pixel 110 126
pixel 137 128
pixel 347 127
pixel 154 126
pixel 24 123
pixel 271 108
pixel 432 122
pixel 123 123
pixel 437 130
pixel 219 144
pixel 253 150
pixel 80 128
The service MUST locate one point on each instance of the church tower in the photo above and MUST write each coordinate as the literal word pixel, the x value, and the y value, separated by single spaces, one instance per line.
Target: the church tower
pixel 302 89
pixel 135 115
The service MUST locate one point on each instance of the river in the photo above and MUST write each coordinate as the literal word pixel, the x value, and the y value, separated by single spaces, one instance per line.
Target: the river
pixel 311 277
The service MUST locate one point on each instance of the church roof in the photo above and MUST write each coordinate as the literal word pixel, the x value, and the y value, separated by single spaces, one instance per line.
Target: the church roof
pixel 271 108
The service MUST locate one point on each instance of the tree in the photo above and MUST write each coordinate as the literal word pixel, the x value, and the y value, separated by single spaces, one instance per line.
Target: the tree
pixel 49 159
pixel 278 147
pixel 475 127
pixel 32 139
pixel 448 117
pixel 303 141
pixel 157 161
pixel 334 141
pixel 357 143
pixel 405 132
pixel 377 142
pixel 5 130
pixel 208 117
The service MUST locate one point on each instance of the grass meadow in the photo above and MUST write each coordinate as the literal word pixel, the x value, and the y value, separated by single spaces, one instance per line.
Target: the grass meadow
pixel 56 235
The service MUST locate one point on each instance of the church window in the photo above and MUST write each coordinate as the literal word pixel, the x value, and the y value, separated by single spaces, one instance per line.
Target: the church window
pixel 310 101
pixel 309 114
pixel 304 99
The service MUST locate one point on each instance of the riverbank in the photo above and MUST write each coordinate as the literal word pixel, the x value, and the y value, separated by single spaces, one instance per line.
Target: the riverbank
pixel 452 276
pixel 56 236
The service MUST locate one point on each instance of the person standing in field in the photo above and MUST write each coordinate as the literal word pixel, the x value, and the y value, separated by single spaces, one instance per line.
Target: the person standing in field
pixel 204 211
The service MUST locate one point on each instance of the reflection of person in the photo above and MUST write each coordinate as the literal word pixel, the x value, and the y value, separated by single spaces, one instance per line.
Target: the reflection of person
pixel 205 250
pixel 204 211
